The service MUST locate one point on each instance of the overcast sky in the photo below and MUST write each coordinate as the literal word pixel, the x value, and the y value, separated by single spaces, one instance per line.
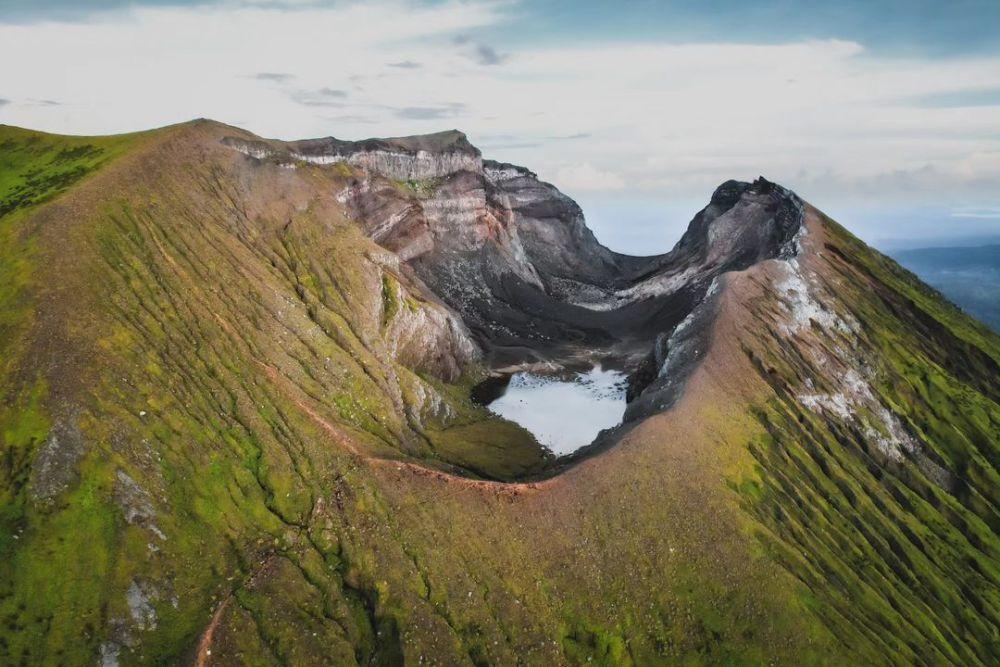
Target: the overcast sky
pixel 886 114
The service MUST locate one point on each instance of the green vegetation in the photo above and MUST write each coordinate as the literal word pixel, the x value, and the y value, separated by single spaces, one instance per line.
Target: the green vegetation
pixel 256 457
pixel 490 447
pixel 222 375
pixel 35 167
pixel 390 298
pixel 419 189
pixel 901 563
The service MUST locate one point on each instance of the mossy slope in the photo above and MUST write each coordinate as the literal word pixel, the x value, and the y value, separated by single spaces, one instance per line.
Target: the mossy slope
pixel 898 549
pixel 223 441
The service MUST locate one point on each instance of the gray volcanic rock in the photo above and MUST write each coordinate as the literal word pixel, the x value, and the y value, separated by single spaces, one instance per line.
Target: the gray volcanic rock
pixel 514 257
pixel 553 232
pixel 400 158
pixel 390 217
pixel 744 223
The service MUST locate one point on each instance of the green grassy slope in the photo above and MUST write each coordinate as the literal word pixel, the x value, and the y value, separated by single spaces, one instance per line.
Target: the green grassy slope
pixel 162 357
pixel 206 444
pixel 902 559
pixel 34 168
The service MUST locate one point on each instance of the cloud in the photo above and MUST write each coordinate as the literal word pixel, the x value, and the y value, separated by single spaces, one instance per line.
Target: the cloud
pixel 508 145
pixel 487 55
pixel 988 213
pixel 653 118
pixel 275 77
pixel 74 11
pixel 353 119
pixel 956 99
pixel 430 113
pixel 586 177
pixel 33 102
pixel 320 97
pixel 483 54
pixel 503 141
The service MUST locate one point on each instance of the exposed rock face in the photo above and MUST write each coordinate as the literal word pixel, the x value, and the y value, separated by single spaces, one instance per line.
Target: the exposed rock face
pixel 139 597
pixel 213 345
pixel 660 378
pixel 136 504
pixel 744 223
pixel 552 230
pixel 57 458
pixel 404 158
pixel 513 255
pixel 421 334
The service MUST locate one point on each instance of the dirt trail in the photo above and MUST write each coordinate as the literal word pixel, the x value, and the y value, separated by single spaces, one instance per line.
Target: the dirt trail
pixel 204 652
pixel 205 645
pixel 344 440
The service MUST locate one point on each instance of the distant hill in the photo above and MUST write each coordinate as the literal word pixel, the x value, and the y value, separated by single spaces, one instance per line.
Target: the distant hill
pixel 970 277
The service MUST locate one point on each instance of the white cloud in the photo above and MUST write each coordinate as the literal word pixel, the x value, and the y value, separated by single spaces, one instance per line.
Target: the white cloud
pixel 978 213
pixel 672 120
pixel 152 66
pixel 586 177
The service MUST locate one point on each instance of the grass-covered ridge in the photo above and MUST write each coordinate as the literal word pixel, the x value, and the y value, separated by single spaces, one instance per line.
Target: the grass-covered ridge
pixel 35 167
pixel 262 414
pixel 221 358
pixel 902 558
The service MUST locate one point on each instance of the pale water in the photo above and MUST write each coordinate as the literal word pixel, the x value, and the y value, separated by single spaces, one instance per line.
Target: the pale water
pixel 564 412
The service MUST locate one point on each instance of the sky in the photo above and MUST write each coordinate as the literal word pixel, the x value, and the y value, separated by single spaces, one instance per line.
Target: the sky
pixel 885 114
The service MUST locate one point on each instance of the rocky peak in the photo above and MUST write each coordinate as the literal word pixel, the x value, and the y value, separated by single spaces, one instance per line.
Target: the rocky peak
pixel 436 144
pixel 727 194
pixel 415 158
pixel 742 224
pixel 499 172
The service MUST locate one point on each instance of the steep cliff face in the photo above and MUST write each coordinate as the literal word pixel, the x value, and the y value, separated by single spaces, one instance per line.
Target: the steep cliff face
pixel 401 158
pixel 235 426
pixel 555 237
pixel 514 256
pixel 744 224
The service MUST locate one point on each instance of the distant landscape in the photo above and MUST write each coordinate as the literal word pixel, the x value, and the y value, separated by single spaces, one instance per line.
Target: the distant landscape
pixel 968 277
